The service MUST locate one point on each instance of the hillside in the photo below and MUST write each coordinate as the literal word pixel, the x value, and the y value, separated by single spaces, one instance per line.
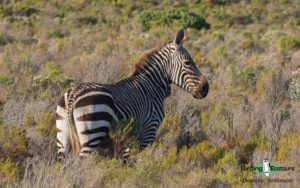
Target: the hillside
pixel 248 49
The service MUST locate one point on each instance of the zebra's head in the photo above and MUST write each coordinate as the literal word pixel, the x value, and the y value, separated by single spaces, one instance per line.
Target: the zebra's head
pixel 184 72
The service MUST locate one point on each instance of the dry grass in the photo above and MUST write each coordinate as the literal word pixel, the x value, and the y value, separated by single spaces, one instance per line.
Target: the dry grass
pixel 251 53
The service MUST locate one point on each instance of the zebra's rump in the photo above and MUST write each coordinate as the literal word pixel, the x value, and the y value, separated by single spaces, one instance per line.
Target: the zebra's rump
pixel 90 110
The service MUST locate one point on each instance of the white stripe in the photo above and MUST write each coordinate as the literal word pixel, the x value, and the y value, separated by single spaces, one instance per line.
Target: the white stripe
pixel 61 111
pixel 93 93
pixel 88 125
pixel 85 138
pixel 92 109
pixel 95 142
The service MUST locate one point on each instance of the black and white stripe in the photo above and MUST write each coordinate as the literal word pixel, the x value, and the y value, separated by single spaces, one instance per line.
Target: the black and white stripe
pixel 86 112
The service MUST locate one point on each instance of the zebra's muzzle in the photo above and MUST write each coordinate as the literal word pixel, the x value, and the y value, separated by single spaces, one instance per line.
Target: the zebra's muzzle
pixel 202 89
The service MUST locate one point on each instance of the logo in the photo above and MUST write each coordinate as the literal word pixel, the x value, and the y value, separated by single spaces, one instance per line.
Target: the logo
pixel 267 168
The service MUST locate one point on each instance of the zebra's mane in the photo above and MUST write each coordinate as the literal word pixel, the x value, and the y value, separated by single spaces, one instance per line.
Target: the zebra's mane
pixel 145 57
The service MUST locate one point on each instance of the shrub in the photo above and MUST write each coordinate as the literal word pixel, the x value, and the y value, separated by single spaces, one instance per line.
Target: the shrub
pixel 220 2
pixel 288 147
pixel 114 173
pixel 88 20
pixel 8 171
pixel 43 82
pixel 5 39
pixel 247 79
pixel 124 134
pixel 6 80
pixel 241 20
pixel 150 18
pixel 169 130
pixel 1 105
pixel 154 167
pixel 28 121
pixel 46 124
pixel 261 141
pixel 289 43
pixel 215 119
pixel 294 87
pixel 13 141
pixel 228 170
pixel 56 33
pixel 247 147
pixel 202 155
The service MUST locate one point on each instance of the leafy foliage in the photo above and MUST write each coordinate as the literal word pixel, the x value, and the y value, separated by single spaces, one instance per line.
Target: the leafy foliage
pixel 294 87
pixel 151 18
pixel 46 124
pixel 13 142
pixel 123 135
pixel 8 170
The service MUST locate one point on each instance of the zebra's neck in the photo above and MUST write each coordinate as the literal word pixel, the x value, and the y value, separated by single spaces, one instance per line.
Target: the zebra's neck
pixel 146 89
pixel 152 72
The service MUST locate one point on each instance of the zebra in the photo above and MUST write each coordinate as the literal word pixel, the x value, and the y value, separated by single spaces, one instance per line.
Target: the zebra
pixel 86 112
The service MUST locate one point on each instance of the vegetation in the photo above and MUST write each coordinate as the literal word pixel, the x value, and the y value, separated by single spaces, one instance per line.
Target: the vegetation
pixel 154 18
pixel 249 49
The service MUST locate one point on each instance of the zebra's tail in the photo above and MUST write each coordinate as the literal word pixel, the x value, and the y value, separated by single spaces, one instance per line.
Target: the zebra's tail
pixel 74 138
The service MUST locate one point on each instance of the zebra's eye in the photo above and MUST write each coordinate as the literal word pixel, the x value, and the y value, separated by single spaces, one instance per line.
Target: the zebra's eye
pixel 187 62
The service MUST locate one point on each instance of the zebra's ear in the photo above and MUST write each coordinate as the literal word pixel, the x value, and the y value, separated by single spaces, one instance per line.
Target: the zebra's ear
pixel 180 37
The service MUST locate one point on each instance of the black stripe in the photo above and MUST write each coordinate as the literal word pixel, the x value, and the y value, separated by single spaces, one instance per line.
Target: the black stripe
pixel 87 144
pixel 95 99
pixel 93 145
pixel 59 143
pixel 96 130
pixel 96 116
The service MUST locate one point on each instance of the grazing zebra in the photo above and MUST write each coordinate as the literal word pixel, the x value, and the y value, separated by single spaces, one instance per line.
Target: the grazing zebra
pixel 85 113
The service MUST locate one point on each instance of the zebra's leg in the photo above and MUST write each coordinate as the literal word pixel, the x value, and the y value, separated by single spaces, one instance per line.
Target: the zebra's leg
pixel 124 153
pixel 62 137
pixel 146 138
pixel 148 135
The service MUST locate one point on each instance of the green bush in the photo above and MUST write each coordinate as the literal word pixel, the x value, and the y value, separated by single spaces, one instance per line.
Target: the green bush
pixel 169 130
pixel 289 43
pixel 294 87
pixel 181 17
pixel 220 2
pixel 28 121
pixel 6 79
pixel 8 170
pixel 46 124
pixel 43 82
pixel 56 33
pixel 246 79
pixel 5 39
pixel 228 170
pixel 88 20
pixel 124 134
pixel 202 155
pixel 289 146
pixel 261 141
pixel 13 141
pixel 155 166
